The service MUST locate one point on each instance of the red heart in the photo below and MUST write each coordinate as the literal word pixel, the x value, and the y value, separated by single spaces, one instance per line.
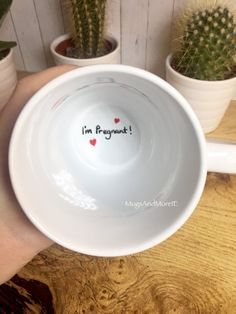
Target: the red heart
pixel 117 120
pixel 93 142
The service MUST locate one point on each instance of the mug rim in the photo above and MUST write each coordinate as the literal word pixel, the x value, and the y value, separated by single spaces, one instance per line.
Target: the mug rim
pixel 186 212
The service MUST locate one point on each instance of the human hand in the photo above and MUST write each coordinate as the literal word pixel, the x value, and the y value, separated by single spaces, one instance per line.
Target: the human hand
pixel 20 241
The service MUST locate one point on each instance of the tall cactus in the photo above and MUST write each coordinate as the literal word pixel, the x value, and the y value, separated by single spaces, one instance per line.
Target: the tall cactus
pixel 5 45
pixel 88 20
pixel 207 44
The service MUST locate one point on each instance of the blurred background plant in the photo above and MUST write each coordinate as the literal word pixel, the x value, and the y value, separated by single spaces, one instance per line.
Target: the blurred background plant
pixel 87 28
pixel 5 46
pixel 204 42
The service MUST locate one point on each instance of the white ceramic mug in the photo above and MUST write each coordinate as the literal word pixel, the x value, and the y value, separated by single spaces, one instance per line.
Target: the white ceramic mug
pixel 110 160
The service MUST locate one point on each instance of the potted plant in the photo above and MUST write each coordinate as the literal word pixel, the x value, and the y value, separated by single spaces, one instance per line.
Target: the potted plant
pixel 202 64
pixel 87 43
pixel 8 77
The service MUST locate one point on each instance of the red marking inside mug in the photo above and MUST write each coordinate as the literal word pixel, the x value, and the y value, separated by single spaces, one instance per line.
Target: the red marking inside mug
pixel 93 142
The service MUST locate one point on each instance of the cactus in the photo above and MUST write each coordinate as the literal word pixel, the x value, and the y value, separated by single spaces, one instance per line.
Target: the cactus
pixel 5 45
pixel 207 45
pixel 88 21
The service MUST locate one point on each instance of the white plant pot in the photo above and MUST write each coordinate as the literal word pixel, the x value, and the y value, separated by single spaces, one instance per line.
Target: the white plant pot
pixel 110 58
pixel 208 99
pixel 8 78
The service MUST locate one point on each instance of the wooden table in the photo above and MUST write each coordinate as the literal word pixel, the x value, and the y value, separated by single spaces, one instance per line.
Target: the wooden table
pixel 194 271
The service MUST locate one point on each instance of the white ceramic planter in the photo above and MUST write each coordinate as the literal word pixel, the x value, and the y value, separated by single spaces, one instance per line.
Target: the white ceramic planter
pixel 209 99
pixel 110 58
pixel 8 78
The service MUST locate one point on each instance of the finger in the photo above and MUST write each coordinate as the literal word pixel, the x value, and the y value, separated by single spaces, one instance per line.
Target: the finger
pixel 11 214
pixel 35 81
pixel 25 89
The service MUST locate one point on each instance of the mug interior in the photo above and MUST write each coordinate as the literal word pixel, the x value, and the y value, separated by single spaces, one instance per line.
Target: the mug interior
pixel 107 160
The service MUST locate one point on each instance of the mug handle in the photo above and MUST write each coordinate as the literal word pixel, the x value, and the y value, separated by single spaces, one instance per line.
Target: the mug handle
pixel 221 156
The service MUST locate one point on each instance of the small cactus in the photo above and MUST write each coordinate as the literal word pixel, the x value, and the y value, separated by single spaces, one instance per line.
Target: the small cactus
pixel 5 45
pixel 207 45
pixel 88 23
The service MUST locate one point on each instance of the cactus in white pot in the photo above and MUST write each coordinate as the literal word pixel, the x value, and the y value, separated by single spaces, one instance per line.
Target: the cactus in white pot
pixel 207 48
pixel 87 43
pixel 202 66
pixel 88 19
pixel 7 68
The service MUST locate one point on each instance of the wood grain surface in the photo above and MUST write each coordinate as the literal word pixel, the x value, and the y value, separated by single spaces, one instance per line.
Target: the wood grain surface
pixel 194 271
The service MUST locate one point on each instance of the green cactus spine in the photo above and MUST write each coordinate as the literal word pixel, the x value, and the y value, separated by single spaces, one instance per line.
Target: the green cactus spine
pixel 5 45
pixel 207 45
pixel 88 20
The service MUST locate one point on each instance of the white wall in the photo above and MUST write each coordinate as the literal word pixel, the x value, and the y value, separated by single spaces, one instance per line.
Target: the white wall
pixel 143 27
